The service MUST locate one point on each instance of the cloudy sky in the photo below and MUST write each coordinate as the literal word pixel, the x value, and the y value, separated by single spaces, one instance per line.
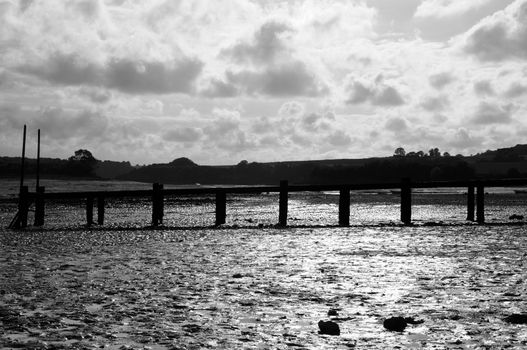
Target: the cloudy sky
pixel 221 81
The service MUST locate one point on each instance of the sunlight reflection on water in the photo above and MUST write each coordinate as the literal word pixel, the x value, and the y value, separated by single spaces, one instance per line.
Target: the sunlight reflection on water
pixel 265 288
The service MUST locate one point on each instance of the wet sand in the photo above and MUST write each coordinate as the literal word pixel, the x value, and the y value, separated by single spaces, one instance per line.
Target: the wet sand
pixel 262 288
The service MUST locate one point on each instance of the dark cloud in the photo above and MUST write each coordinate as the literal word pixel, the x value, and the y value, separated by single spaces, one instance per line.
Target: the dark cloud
pixel 378 94
pixel 435 104
pixel 95 95
pixel 387 96
pixel 121 74
pixel 153 77
pixel 266 46
pixel 185 134
pixel 501 37
pixel 516 90
pixel 66 70
pixel 286 80
pixel 218 88
pixel 396 124
pixel 359 93
pixel 440 80
pixel 463 140
pixel 316 122
pixel 488 113
pixel 339 138
pixel 56 123
pixel 484 88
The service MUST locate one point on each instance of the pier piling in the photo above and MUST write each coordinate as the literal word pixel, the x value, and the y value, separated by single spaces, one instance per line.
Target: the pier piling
pixel 41 198
pixel 157 204
pixel 89 211
pixel 221 205
pixel 282 211
pixel 100 210
pixel 344 207
pixel 480 204
pixel 23 206
pixel 406 201
pixel 470 203
pixel 39 206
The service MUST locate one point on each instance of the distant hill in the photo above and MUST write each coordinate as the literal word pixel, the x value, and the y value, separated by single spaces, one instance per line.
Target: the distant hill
pixel 183 162
pixel 419 166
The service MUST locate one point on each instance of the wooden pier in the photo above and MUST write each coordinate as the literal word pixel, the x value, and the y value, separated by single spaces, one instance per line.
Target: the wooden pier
pixel 475 198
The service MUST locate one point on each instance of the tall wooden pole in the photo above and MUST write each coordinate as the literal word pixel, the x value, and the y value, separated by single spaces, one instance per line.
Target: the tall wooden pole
pixel 22 162
pixel 38 160
pixel 470 203
pixel 480 203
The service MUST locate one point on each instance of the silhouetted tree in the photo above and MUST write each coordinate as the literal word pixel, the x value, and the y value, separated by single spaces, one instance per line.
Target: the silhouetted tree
pixel 399 152
pixel 434 152
pixel 82 155
pixel 82 163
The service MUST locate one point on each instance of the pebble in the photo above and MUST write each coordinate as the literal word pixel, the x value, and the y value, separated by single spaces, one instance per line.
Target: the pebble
pixel 328 327
pixel 396 324
pixel 332 312
pixel 517 318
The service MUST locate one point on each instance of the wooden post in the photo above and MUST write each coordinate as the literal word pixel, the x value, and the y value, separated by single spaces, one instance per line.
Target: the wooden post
pixel 282 214
pixel 89 211
pixel 155 210
pixel 470 203
pixel 406 202
pixel 480 204
pixel 161 204
pixel 38 160
pixel 157 204
pixel 23 207
pixel 100 210
pixel 39 206
pixel 344 207
pixel 221 204
pixel 22 161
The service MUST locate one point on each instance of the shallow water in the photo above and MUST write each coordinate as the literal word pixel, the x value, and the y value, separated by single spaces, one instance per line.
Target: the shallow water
pixel 125 286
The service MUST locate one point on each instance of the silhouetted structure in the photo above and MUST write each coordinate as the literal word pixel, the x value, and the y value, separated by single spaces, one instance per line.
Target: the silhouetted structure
pixel 158 194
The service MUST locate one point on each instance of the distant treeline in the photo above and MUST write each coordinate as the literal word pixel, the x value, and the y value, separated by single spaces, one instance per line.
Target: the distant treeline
pixel 501 163
pixel 64 168
pixel 375 170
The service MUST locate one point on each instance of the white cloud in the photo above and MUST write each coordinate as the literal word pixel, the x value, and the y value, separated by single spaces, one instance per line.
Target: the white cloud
pixel 447 8
pixel 500 36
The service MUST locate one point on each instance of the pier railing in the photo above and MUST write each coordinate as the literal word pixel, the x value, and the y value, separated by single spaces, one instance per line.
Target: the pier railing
pixel 475 198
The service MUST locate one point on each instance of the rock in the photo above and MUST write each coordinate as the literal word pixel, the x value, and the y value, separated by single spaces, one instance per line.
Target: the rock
pixel 516 319
pixel 328 327
pixel 237 275
pixel 396 324
pixel 332 312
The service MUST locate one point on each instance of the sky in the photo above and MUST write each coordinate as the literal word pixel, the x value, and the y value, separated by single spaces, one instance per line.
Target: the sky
pixel 229 80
